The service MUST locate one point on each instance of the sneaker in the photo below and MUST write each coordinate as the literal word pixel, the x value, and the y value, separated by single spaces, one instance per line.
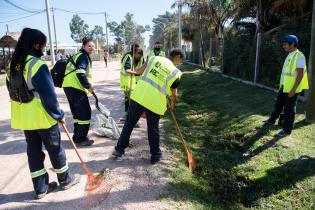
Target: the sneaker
pixel 51 187
pixel 117 154
pixel 268 122
pixel 85 143
pixel 75 179
pixel 282 133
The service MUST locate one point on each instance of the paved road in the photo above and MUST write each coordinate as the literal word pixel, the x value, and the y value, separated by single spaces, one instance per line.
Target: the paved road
pixel 136 183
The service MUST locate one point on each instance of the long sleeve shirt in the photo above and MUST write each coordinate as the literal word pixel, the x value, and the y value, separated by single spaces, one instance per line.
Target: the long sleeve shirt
pixel 83 63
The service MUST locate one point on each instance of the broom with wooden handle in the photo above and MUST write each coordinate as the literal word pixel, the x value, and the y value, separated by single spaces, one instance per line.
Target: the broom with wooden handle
pixel 96 188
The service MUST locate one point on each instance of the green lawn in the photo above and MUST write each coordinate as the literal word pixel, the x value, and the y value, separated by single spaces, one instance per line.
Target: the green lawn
pixel 240 162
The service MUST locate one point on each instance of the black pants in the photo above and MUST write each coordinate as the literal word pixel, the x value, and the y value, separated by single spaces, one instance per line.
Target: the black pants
pixel 81 112
pixel 51 139
pixel 105 61
pixel 126 103
pixel 288 107
pixel 134 112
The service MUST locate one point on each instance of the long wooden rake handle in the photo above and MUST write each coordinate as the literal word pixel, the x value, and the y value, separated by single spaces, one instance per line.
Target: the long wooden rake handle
pixel 87 171
pixel 179 132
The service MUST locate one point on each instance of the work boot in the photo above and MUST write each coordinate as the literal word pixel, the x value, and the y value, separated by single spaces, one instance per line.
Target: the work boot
pixel 75 179
pixel 51 187
pixel 117 154
pixel 282 134
pixel 155 159
pixel 269 122
pixel 85 143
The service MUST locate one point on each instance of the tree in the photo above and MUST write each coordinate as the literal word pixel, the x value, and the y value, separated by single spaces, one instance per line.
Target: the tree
pixel 78 28
pixel 310 109
pixel 98 35
pixel 164 30
pixel 128 31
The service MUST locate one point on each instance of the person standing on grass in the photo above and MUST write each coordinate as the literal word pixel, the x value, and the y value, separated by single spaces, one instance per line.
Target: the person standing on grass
pixel 293 81
pixel 38 115
pixel 159 80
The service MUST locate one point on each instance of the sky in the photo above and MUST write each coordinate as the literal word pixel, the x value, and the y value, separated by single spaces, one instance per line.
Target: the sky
pixel 144 11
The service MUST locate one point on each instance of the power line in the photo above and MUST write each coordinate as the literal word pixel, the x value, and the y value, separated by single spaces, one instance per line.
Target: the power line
pixel 80 12
pixel 21 17
pixel 21 8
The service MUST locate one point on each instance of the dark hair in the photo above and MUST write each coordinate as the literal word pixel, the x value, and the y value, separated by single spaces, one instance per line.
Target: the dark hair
pixel 176 52
pixel 133 48
pixel 86 40
pixel 26 44
pixel 294 44
pixel 157 42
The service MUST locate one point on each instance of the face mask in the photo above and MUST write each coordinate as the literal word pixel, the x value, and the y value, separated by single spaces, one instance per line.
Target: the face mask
pixel 38 53
pixel 157 48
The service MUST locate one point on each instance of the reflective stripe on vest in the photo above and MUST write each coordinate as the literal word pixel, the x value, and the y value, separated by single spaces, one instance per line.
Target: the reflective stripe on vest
pixel 155 84
pixel 61 170
pixel 284 69
pixel 38 173
pixel 289 74
pixel 23 114
pixel 71 80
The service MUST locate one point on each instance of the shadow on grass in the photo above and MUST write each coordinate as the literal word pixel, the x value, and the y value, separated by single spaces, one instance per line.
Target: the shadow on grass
pixel 278 178
pixel 213 114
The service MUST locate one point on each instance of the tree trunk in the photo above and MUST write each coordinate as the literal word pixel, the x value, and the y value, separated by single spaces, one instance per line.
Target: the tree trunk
pixel 310 108
pixel 202 44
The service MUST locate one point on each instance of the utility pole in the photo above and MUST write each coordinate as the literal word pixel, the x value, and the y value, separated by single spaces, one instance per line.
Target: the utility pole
pixel 52 51
pixel 7 29
pixel 180 5
pixel 55 32
pixel 106 32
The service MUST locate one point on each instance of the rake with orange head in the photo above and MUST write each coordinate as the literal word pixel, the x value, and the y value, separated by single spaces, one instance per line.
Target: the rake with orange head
pixel 191 162
pixel 96 188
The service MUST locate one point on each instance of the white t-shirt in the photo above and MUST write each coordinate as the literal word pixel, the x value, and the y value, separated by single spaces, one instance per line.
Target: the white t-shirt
pixel 299 63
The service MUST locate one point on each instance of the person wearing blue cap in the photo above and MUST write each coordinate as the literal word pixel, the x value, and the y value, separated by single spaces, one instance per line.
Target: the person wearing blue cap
pixel 293 81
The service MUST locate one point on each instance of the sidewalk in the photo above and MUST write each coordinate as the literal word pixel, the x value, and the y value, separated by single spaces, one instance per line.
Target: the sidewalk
pixel 136 183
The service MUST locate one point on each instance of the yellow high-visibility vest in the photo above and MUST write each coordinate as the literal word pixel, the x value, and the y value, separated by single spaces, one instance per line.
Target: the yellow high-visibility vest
pixel 151 53
pixel 125 78
pixel 71 80
pixel 289 74
pixel 31 115
pixel 141 62
pixel 155 83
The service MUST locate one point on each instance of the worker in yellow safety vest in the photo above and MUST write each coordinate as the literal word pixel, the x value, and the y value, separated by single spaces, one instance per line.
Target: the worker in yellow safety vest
pixel 76 86
pixel 159 80
pixel 130 61
pixel 156 50
pixel 293 82
pixel 35 110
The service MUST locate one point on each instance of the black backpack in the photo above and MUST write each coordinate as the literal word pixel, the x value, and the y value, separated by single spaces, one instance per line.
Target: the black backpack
pixel 59 69
pixel 18 89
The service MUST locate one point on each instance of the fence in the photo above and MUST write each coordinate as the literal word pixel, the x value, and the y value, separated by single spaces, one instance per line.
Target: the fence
pixel 240 58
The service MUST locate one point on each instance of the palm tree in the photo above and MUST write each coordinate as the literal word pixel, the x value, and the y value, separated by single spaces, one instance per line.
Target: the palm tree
pixel 310 109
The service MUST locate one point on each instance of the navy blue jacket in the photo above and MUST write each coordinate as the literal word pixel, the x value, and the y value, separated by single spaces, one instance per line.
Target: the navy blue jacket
pixel 44 85
pixel 83 63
